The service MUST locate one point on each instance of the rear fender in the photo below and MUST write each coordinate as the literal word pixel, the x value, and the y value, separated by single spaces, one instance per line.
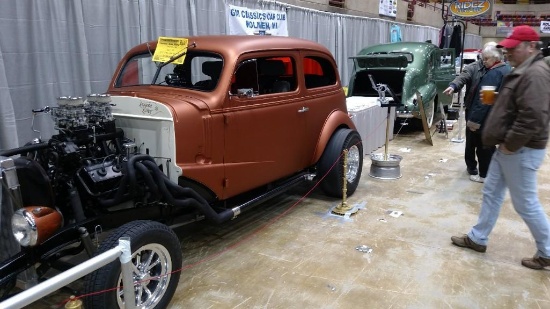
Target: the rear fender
pixel 337 119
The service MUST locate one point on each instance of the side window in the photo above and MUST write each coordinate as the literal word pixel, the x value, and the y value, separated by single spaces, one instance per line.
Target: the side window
pixel 265 76
pixel 205 72
pixel 318 72
pixel 446 59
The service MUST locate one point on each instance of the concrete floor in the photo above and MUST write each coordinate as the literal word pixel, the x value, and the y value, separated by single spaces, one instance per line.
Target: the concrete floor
pixel 292 253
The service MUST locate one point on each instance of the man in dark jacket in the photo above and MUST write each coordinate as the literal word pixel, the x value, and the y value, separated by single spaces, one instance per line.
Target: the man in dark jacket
pixel 469 78
pixel 518 123
pixel 495 70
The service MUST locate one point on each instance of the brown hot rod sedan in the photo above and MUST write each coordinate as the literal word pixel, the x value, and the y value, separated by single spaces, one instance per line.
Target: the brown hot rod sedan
pixel 238 121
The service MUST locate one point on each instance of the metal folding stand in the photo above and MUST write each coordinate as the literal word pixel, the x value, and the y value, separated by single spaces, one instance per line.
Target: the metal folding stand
pixel 385 166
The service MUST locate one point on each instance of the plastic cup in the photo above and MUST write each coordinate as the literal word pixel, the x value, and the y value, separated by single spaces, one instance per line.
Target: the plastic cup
pixel 488 95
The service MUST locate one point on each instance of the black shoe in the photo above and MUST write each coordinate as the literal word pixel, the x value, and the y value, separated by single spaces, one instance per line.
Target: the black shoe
pixel 536 262
pixel 465 242
pixel 472 171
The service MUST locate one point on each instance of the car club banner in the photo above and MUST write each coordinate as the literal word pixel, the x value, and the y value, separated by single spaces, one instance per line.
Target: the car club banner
pixel 255 21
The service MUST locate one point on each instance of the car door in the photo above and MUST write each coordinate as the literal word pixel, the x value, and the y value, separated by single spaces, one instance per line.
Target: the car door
pixel 444 72
pixel 264 122
pixel 322 94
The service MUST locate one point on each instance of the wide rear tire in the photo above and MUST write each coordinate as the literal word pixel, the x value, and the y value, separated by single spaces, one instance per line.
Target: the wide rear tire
pixel 333 180
pixel 156 254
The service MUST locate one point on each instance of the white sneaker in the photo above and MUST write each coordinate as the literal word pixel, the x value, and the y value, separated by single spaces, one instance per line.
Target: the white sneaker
pixel 477 178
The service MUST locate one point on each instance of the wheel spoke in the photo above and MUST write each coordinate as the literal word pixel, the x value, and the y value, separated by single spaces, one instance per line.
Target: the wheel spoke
pixel 139 294
pixel 148 262
pixel 157 261
pixel 147 291
pixel 138 259
pixel 135 269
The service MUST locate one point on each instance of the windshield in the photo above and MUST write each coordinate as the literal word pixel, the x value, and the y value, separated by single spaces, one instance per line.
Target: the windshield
pixel 200 71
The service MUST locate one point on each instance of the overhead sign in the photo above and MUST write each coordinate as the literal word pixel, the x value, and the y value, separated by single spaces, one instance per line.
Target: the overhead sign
pixel 545 26
pixel 255 21
pixel 470 8
pixel 170 47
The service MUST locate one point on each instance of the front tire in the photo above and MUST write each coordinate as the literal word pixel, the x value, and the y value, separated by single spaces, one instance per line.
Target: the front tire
pixel 156 254
pixel 333 182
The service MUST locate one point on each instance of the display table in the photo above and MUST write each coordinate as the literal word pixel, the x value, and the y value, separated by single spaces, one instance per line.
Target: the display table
pixel 370 120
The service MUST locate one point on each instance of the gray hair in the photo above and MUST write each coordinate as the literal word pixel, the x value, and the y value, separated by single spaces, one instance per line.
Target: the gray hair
pixel 492 51
pixel 538 44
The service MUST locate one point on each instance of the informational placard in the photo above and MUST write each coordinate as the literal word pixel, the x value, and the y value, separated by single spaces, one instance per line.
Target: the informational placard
pixel 168 47
pixel 545 26
pixel 388 8
pixel 245 21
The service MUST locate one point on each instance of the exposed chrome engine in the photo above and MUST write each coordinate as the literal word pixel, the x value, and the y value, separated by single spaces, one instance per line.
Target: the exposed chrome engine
pixel 74 113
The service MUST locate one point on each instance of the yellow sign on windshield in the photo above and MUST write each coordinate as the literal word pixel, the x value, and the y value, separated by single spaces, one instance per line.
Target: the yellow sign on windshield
pixel 168 47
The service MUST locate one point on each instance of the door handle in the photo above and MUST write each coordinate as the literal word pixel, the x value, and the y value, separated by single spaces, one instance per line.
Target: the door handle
pixel 303 109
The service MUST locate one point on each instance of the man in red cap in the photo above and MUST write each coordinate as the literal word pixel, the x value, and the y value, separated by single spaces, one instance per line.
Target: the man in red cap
pixel 518 124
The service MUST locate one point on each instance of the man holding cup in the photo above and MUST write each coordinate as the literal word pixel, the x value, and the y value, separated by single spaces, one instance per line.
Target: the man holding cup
pixel 518 123
pixel 491 79
pixel 469 78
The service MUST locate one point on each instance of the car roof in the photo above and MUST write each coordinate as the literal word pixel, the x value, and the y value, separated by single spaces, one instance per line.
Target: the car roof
pixel 231 45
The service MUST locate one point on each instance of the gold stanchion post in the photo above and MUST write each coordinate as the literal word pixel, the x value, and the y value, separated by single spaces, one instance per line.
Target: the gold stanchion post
pixel 343 207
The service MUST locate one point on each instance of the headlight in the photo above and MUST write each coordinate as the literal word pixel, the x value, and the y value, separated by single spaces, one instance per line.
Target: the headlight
pixel 32 225
pixel 24 228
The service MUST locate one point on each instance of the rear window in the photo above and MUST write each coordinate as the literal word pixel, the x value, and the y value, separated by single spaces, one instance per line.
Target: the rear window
pixel 409 56
pixel 318 72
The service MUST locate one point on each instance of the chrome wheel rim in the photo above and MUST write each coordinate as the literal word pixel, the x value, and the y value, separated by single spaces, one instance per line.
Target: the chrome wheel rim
pixel 151 269
pixel 354 160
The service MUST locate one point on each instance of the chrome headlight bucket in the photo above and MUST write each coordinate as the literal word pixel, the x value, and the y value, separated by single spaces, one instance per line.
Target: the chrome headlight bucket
pixel 32 225
pixel 24 228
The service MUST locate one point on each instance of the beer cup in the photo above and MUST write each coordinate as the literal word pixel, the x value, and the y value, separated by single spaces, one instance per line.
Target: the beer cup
pixel 488 95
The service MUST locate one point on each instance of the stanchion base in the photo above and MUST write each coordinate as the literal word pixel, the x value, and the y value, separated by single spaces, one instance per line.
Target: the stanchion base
pixel 457 140
pixel 344 208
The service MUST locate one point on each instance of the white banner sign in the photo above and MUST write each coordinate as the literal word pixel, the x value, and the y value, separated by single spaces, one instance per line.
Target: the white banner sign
pixel 255 21
pixel 545 26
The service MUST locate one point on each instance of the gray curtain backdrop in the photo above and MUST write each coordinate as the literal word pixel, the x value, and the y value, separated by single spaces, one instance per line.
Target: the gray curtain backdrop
pixel 53 48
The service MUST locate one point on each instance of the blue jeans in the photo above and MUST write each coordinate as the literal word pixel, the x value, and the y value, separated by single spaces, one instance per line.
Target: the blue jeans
pixel 518 173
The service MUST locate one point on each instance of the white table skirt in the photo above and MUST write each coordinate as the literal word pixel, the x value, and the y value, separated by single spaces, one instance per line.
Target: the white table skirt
pixel 370 120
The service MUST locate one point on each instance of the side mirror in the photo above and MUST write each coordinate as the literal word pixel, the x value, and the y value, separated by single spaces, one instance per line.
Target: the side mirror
pixel 245 93
pixel 172 79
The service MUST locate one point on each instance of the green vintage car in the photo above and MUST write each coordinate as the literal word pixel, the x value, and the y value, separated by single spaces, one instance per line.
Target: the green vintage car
pixel 406 67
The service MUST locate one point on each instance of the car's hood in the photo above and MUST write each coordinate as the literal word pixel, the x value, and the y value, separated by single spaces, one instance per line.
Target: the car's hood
pixel 154 105
pixel 168 97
